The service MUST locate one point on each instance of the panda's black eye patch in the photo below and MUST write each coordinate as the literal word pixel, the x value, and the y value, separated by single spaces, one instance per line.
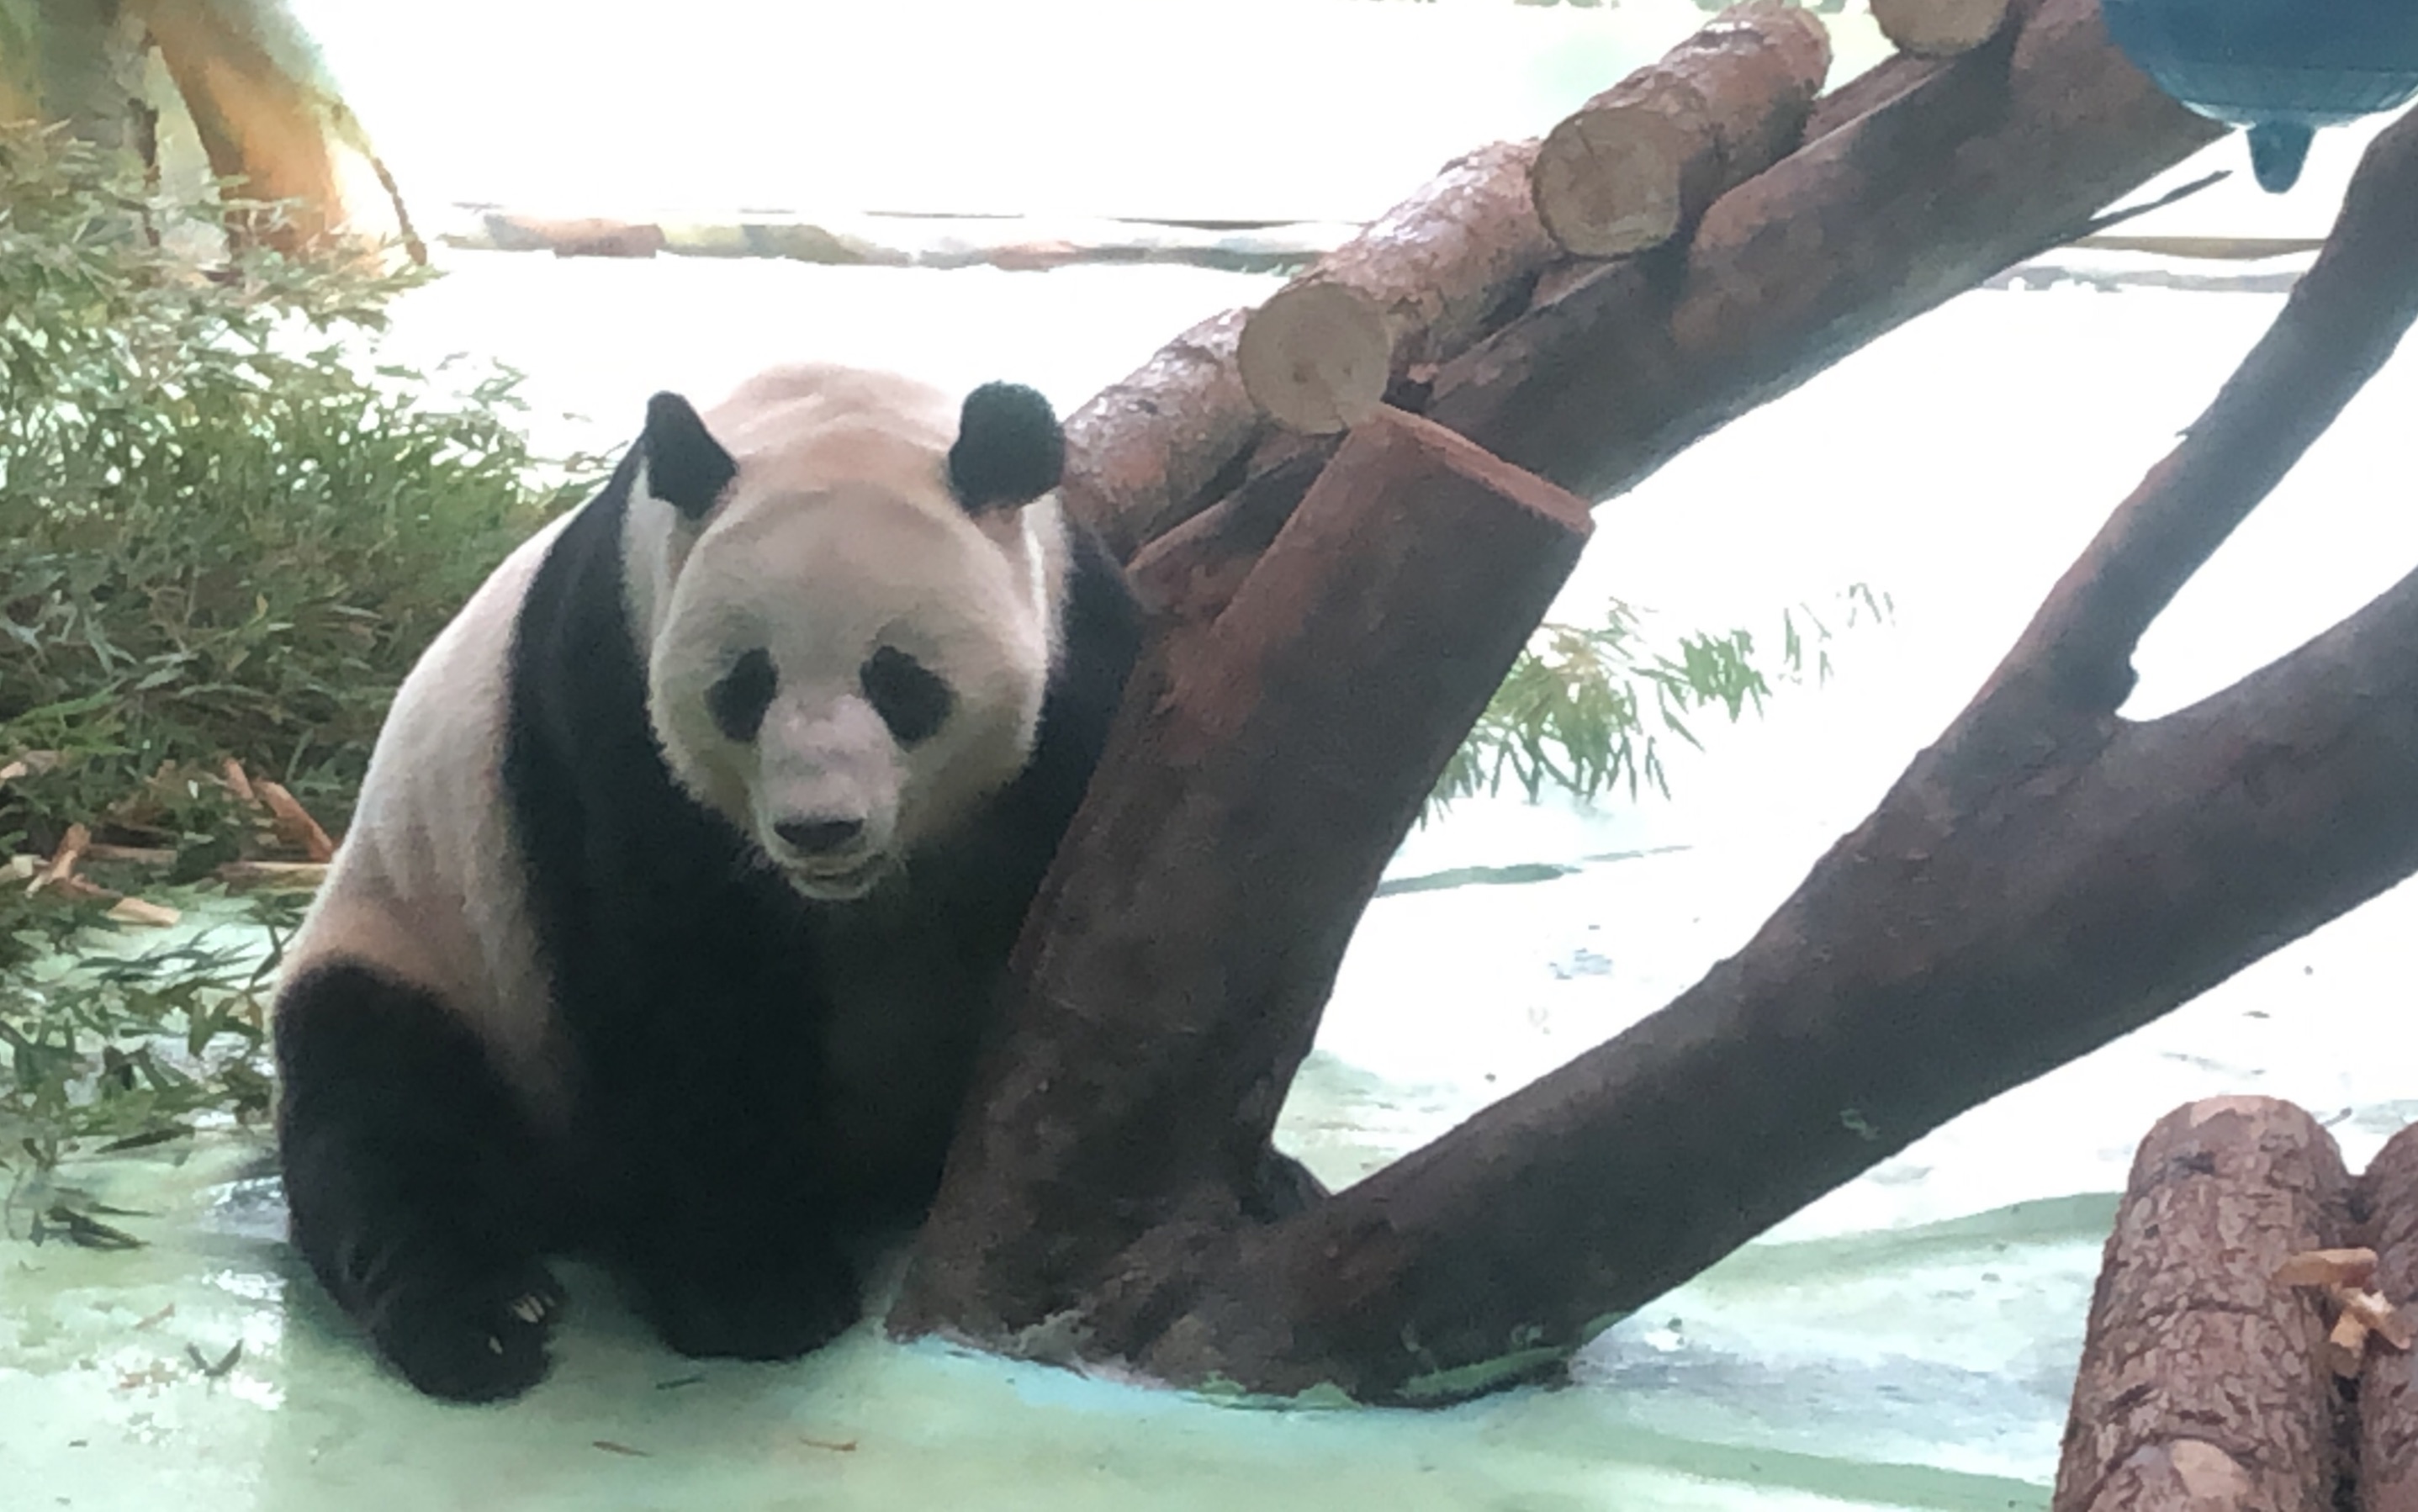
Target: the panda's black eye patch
pixel 908 696
pixel 737 701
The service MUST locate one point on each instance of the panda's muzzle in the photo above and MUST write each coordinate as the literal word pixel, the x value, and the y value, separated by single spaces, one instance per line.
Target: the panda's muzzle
pixel 820 837
pixel 829 858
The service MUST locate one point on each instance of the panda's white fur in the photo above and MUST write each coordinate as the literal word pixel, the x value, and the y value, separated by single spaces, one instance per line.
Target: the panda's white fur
pixel 567 983
pixel 839 487
pixel 427 884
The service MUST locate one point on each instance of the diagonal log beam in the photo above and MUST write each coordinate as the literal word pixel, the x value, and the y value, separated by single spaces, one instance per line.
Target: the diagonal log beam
pixel 1188 932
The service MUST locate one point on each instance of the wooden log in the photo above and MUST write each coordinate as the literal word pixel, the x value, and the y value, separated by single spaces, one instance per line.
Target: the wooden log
pixel 1637 165
pixel 2042 879
pixel 1189 575
pixel 1940 28
pixel 1419 286
pixel 1993 157
pixel 294 824
pixel 2388 1387
pixel 1146 451
pixel 1256 784
pixel 1960 168
pixel 2199 1386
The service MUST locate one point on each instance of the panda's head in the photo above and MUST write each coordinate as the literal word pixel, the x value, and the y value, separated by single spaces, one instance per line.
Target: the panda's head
pixel 846 591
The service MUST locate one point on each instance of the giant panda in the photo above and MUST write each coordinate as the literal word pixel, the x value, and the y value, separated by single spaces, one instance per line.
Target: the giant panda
pixel 683 869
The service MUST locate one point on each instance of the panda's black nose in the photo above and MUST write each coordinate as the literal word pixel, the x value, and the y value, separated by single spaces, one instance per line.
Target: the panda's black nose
pixel 819 838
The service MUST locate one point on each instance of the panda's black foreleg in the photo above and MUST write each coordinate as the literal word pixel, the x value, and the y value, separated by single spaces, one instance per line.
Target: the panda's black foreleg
pixel 725 1256
pixel 406 1169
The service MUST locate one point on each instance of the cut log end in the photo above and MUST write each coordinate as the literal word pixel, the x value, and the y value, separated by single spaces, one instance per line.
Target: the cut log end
pixel 1612 181
pixel 1317 357
pixel 1940 28
pixel 1635 166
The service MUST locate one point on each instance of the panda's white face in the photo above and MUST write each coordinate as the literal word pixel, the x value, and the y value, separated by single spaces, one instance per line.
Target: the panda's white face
pixel 842 660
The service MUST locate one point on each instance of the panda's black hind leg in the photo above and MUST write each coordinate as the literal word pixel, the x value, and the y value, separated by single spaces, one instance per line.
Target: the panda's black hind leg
pixel 408 1175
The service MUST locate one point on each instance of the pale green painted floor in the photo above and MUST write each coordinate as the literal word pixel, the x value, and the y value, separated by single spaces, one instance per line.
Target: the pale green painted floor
pixel 103 1404
pixel 1908 1342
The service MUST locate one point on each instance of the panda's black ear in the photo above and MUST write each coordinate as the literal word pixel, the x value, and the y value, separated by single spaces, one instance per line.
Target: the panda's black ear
pixel 686 467
pixel 1009 448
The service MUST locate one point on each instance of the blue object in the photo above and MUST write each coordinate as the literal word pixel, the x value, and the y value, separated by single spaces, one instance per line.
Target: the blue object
pixel 2281 67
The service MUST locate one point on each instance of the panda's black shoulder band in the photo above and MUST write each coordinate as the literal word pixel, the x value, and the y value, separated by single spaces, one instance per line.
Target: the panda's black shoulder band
pixel 1009 449
pixel 686 467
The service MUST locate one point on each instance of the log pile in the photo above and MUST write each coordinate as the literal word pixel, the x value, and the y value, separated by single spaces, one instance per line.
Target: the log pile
pixel 1915 182
pixel 1631 170
pixel 2248 1282
pixel 1100 1202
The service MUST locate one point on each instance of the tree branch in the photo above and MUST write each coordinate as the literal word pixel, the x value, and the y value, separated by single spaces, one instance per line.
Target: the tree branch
pixel 2344 319
pixel 1981 928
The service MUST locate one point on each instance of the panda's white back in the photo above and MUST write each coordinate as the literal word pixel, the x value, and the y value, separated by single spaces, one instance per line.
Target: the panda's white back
pixel 427 882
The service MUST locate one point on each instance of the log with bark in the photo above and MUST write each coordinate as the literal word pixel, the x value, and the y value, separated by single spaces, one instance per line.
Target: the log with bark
pixel 1198 898
pixel 2199 1385
pixel 1453 261
pixel 2388 1388
pixel 1146 445
pixel 2045 877
pixel 1322 353
pixel 1639 163
pixel 1957 169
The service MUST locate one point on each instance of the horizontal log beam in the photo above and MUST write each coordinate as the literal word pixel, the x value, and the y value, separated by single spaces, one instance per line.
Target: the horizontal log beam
pixel 1955 171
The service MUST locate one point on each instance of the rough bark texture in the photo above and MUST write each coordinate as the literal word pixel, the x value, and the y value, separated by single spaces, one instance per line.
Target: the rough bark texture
pixel 2388 1389
pixel 1145 449
pixel 2043 879
pixel 1637 165
pixel 1961 169
pixel 1174 968
pixel 1940 28
pixel 1416 287
pixel 2200 1387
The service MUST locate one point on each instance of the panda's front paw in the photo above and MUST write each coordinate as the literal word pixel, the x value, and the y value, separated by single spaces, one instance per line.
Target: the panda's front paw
pixel 758 1310
pixel 470 1339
